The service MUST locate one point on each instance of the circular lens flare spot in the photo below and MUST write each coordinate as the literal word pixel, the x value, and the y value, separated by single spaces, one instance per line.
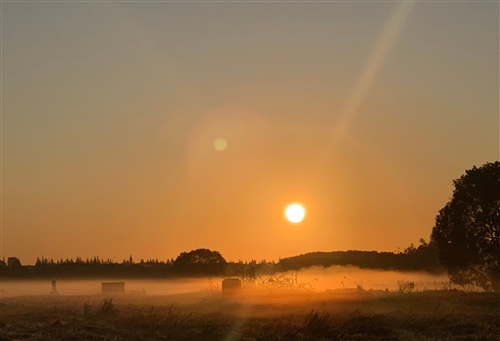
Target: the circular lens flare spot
pixel 220 144
pixel 295 213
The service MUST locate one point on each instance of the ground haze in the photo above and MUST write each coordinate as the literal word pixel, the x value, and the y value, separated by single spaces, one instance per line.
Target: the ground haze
pixel 254 315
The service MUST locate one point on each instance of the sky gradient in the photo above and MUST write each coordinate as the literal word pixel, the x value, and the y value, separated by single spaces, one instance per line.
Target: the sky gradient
pixel 364 112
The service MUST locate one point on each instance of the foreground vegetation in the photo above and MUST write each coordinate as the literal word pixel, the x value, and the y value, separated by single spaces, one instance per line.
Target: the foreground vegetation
pixel 259 315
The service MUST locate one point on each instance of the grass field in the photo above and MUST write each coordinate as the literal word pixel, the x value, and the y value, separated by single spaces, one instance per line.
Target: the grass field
pixel 259 315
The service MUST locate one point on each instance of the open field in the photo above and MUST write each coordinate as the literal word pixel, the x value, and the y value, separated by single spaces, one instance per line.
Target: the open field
pixel 259 315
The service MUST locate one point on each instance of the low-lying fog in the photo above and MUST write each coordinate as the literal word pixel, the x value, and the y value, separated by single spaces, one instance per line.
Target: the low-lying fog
pixel 317 278
pixel 342 277
pixel 93 286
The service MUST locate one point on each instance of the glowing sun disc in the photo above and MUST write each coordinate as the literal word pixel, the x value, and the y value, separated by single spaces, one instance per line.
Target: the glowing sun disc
pixel 295 213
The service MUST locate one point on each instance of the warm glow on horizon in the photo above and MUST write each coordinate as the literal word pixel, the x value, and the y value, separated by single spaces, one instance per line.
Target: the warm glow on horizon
pixel 295 213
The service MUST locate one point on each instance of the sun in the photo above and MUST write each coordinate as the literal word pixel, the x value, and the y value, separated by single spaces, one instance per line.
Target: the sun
pixel 295 212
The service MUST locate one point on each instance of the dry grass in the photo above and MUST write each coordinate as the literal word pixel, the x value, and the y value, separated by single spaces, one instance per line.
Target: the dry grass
pixel 440 315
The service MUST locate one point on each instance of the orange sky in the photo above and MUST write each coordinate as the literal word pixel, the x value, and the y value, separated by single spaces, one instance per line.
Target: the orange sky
pixel 363 112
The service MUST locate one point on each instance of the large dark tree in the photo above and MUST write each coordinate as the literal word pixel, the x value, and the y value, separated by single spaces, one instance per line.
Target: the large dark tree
pixel 200 262
pixel 467 230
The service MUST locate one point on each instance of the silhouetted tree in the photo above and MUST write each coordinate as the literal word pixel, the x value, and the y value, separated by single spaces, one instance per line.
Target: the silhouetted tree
pixel 13 262
pixel 200 262
pixel 467 230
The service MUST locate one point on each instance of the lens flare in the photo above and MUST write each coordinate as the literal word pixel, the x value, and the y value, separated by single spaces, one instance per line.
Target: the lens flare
pixel 220 144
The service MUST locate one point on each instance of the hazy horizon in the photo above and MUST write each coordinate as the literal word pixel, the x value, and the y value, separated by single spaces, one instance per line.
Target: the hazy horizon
pixel 315 278
pixel 150 129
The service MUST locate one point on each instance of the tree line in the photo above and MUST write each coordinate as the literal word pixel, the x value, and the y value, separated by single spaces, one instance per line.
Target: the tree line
pixel 205 262
pixel 422 258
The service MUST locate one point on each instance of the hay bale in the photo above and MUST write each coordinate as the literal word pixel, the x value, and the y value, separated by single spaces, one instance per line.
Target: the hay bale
pixel 231 285
pixel 113 287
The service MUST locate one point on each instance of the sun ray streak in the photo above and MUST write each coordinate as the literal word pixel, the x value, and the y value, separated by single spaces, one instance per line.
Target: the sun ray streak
pixel 386 41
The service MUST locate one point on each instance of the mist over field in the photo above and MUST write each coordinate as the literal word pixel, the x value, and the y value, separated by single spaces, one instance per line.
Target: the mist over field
pixel 310 304
pixel 93 286
pixel 345 277
pixel 316 279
